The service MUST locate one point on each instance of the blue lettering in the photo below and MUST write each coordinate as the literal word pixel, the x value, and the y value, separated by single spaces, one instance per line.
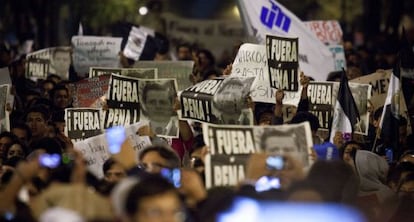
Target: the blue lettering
pixel 274 17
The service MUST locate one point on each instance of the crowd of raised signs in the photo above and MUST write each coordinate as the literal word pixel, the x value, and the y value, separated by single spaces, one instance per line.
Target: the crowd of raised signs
pixel 44 177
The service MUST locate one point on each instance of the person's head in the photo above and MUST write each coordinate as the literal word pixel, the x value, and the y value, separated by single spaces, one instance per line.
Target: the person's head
pixel 48 145
pixel 54 78
pixel 158 100
pixel 229 98
pixel 113 171
pixel 16 149
pixel 184 52
pixel 302 191
pixel 282 143
pixel 377 116
pixel 197 154
pixel 349 147
pixel 154 199
pixel 334 76
pixel 60 96
pixel 21 131
pixel 47 85
pixel 205 59
pixel 353 72
pixel 37 119
pixel 61 60
pixel 6 139
pixel 154 158
pixel 303 116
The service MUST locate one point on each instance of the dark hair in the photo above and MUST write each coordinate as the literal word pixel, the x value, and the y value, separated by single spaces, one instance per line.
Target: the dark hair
pixel 42 109
pixel 208 54
pixel 108 164
pixel 198 143
pixel 23 126
pixel 304 116
pixel 332 76
pixel 22 145
pixel 58 87
pixel 351 142
pixel 9 134
pixel 150 186
pixel 50 145
pixel 169 154
pixel 183 45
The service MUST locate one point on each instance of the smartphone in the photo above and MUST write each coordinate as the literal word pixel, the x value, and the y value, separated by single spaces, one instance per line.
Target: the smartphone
pixel 115 136
pixel 266 183
pixel 275 162
pixel 172 175
pixel 49 160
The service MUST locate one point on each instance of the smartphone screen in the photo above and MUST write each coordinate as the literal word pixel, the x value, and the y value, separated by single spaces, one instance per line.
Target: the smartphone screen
pixel 275 162
pixel 115 136
pixel 49 160
pixel 172 175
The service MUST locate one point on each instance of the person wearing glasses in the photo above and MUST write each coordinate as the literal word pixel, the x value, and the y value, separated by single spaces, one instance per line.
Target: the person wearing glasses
pixel 152 159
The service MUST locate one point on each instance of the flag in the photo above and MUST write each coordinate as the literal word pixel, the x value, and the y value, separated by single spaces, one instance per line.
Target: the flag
pixel 262 17
pixel 346 115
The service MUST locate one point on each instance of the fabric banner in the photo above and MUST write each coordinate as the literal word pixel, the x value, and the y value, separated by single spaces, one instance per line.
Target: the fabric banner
pixel 122 102
pixel 95 149
pixel 141 73
pixel 179 70
pixel 219 101
pixel 89 51
pixel 282 60
pixel 90 92
pixel 4 114
pixel 157 105
pixel 219 36
pixel 230 147
pixel 251 61
pixel 263 17
pixel 56 60
pixel 82 123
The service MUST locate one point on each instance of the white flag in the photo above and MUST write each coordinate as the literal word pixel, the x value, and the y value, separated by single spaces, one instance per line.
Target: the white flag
pixel 263 17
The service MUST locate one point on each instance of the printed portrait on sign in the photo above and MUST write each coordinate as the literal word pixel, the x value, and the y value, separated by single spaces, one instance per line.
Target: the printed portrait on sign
pixel 230 103
pixel 157 101
pixel 60 62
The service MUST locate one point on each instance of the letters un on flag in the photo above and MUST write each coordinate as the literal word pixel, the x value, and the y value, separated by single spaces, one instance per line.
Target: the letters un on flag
pixel 263 17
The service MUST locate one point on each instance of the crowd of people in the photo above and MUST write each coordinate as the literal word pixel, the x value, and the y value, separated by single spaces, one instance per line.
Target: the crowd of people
pixel 167 184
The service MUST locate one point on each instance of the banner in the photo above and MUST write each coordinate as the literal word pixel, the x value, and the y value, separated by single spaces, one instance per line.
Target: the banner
pixel 82 123
pixel 135 44
pixel 219 101
pixel 323 97
pixel 4 114
pixel 157 106
pixel 141 73
pixel 264 17
pixel 179 70
pixel 219 36
pixel 91 51
pixel 282 60
pixel 379 82
pixel 122 102
pixel 231 146
pixel 251 61
pixel 90 92
pixel 95 149
pixel 56 60
pixel 328 32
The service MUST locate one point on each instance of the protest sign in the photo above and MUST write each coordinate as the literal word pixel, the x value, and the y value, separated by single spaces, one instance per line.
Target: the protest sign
pixel 91 51
pixel 56 60
pixel 328 32
pixel 323 96
pixel 180 70
pixel 217 35
pixel 339 57
pixel 262 17
pixel 4 114
pixel 82 123
pixel 95 149
pixel 282 60
pixel 90 92
pixel 230 147
pixel 379 82
pixel 251 61
pixel 219 101
pixel 122 102
pixel 157 105
pixel 5 79
pixel 141 73
pixel 137 39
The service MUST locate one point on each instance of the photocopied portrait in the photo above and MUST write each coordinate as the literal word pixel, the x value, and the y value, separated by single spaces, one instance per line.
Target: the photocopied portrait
pixel 60 62
pixel 157 101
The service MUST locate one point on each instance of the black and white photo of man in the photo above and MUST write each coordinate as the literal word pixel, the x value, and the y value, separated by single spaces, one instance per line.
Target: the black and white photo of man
pixel 157 101
pixel 60 62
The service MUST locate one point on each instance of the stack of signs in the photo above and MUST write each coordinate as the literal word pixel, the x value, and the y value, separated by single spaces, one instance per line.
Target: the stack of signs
pixel 82 123
pixel 142 73
pixel 231 146
pixel 219 101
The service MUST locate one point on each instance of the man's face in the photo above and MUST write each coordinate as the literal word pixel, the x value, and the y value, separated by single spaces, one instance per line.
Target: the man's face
pixel 61 62
pixel 160 208
pixel 115 173
pixel 15 150
pixel 37 124
pixel 184 53
pixel 153 162
pixel 61 99
pixel 20 133
pixel 158 104
pixel 282 145
pixel 4 141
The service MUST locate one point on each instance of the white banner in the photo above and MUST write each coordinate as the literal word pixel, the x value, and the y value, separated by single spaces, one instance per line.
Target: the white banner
pixel 262 17
pixel 98 51
pixel 329 32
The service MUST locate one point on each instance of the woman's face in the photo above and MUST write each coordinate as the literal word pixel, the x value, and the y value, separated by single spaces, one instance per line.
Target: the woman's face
pixel 15 150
